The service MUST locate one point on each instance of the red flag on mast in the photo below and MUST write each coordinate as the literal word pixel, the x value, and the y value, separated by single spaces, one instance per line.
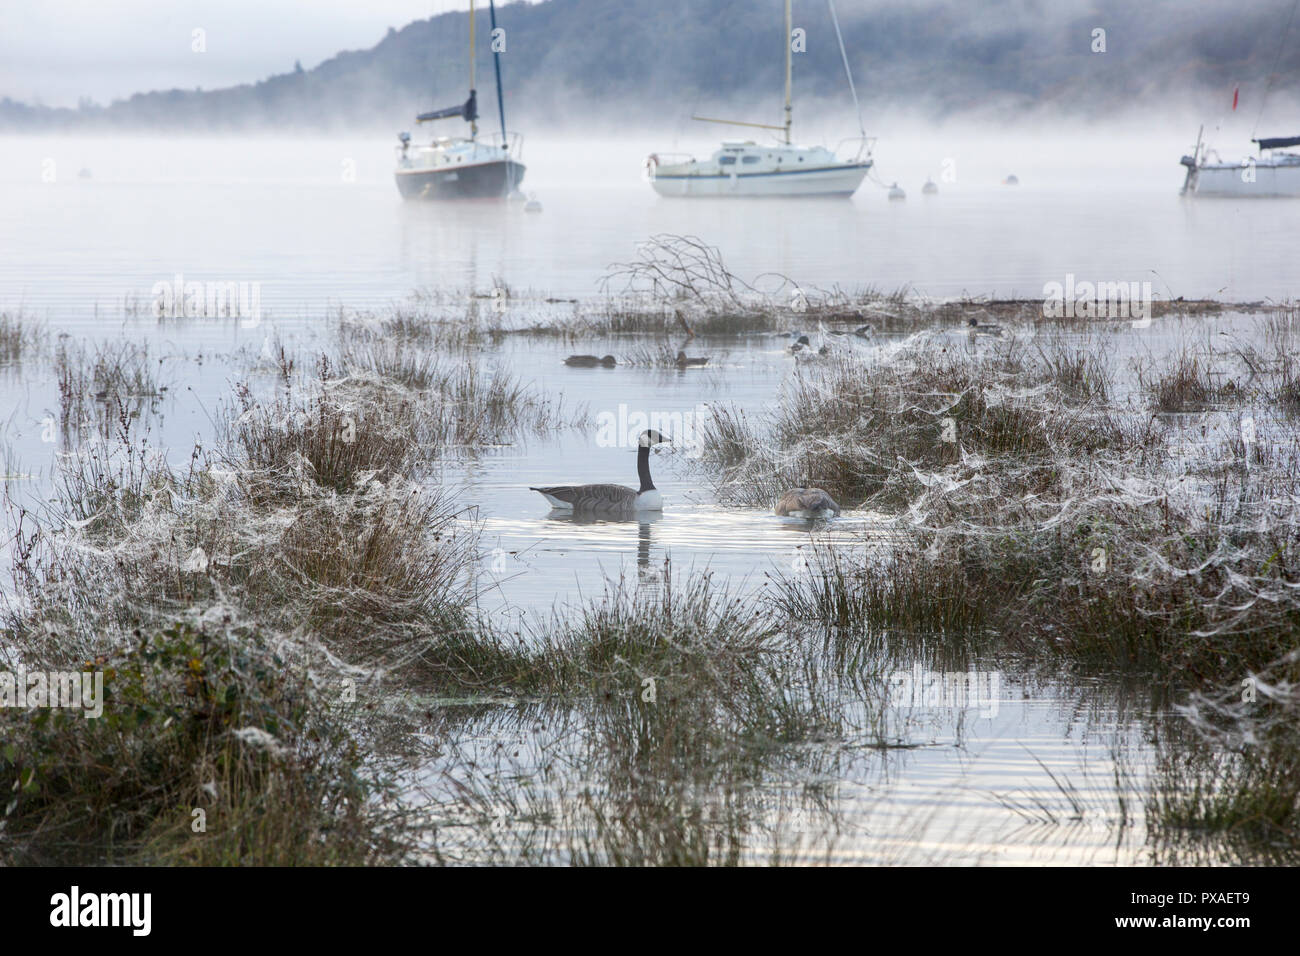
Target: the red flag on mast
pixel 1235 89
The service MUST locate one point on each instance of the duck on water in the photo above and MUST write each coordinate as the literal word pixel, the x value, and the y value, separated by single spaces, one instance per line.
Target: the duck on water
pixel 591 361
pixel 612 499
pixel 806 503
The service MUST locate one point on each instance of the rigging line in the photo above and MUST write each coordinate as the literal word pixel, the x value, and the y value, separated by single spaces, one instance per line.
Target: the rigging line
pixel 1273 73
pixel 849 73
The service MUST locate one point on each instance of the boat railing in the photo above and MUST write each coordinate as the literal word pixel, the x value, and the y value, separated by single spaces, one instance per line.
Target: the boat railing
pixel 512 142
pixel 864 146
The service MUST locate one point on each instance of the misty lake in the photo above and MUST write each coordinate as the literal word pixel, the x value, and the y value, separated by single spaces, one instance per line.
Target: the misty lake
pixel 318 225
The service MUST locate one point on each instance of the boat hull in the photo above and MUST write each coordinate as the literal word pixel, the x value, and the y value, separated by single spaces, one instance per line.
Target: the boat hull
pixel 841 180
pixel 1271 180
pixel 491 180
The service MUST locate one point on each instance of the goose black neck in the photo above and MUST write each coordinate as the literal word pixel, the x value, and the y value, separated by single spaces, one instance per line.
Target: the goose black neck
pixel 643 468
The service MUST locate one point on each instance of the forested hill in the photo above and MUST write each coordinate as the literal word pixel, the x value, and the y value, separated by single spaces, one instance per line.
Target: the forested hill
pixel 568 61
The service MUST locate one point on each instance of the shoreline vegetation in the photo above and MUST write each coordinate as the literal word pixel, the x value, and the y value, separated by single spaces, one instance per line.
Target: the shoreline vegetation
pixel 288 629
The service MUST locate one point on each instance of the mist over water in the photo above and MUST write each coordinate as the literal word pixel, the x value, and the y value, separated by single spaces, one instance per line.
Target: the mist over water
pixel 319 222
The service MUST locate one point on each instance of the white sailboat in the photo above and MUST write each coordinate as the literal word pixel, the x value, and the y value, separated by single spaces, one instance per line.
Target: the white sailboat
pixel 456 167
pixel 1271 174
pixel 747 168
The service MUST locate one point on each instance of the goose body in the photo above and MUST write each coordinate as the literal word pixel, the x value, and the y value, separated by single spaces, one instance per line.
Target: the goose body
pixel 806 503
pixel 611 499
pixel 684 362
pixel 590 361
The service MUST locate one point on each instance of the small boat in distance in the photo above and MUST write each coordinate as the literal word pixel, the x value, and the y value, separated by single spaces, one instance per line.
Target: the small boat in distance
pixel 746 168
pixel 453 167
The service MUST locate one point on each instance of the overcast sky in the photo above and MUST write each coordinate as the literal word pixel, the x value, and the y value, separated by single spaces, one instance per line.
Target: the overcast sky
pixel 54 51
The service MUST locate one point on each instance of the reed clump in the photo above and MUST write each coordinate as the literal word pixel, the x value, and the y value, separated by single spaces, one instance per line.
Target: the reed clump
pixel 20 338
pixel 874 429
pixel 213 748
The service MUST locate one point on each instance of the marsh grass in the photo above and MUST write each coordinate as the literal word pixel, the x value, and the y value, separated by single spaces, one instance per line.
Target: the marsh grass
pixel 1137 550
pixel 308 550
pixel 1244 806
pixel 104 382
pixel 21 338
pixel 421 324
pixel 313 527
pixel 1228 774
pixel 450 401
pixel 210 750
pixel 875 429
pixel 668 717
pixel 1188 384
pixel 326 438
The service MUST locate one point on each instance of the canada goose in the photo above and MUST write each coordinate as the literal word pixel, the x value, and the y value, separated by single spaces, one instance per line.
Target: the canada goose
pixel 864 331
pixel 983 328
pixel 798 345
pixel 684 362
pixel 590 361
pixel 806 503
pixel 612 499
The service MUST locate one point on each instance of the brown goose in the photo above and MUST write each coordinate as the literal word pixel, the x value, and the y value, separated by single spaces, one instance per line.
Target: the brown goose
pixel 611 499
pixel 806 503
pixel 590 361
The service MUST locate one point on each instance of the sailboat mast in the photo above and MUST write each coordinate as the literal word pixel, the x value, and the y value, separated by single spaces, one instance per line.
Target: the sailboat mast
pixel 473 124
pixel 496 63
pixel 789 66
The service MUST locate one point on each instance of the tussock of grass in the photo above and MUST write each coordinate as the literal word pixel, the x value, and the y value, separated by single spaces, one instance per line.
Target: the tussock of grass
pixel 211 750
pixel 1187 385
pixel 867 430
pixel 1228 779
pixel 20 338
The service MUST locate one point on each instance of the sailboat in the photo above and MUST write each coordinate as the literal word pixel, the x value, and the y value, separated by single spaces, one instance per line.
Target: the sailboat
pixel 1271 174
pixel 748 168
pixel 456 167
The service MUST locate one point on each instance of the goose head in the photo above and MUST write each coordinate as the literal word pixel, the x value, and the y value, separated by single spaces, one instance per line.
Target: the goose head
pixel 651 437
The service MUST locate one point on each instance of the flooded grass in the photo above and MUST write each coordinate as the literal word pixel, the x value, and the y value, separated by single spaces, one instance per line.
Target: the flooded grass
pixel 21 337
pixel 289 628
pixel 863 428
pixel 101 383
